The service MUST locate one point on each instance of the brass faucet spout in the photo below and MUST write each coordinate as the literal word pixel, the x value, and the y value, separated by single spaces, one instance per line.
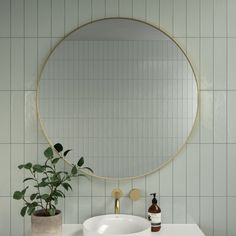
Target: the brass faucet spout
pixel 117 206
pixel 116 194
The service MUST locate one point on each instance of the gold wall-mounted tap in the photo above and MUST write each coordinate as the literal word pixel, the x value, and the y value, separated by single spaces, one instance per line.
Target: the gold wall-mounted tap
pixel 117 194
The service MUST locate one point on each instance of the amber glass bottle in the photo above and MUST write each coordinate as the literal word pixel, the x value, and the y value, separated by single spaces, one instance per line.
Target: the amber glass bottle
pixel 154 215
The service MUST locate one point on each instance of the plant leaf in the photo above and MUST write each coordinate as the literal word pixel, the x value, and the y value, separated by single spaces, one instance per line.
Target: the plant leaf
pixel 74 170
pixel 17 195
pixel 28 179
pixel 55 160
pixel 66 152
pixel 80 162
pixel 23 211
pixel 66 186
pixel 24 190
pixel 39 168
pixel 21 166
pixel 33 196
pixel 58 147
pixel 31 210
pixel 88 168
pixel 48 153
pixel 52 211
pixel 28 165
pixel 42 184
pixel 45 196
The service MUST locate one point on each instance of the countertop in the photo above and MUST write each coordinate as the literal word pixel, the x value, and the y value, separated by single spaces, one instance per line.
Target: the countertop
pixel 166 230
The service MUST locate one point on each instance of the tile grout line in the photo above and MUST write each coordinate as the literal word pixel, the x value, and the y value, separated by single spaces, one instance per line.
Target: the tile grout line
pixel 227 145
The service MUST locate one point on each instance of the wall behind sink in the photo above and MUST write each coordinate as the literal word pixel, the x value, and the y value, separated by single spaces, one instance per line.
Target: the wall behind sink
pixel 199 185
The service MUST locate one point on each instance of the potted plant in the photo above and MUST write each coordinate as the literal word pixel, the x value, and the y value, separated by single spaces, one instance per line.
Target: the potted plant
pixel 49 182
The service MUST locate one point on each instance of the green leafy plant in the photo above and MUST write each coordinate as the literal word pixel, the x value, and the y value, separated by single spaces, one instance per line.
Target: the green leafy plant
pixel 48 182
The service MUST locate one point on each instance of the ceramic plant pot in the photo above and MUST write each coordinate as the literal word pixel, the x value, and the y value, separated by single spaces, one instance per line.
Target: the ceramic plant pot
pixel 46 225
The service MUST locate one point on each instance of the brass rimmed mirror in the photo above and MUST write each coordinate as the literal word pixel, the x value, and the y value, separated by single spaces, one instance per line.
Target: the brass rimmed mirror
pixel 121 93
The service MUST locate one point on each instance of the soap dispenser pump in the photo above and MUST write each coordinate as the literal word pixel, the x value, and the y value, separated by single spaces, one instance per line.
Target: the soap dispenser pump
pixel 154 215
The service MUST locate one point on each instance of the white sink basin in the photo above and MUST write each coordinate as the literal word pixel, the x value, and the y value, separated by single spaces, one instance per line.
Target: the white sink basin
pixel 119 225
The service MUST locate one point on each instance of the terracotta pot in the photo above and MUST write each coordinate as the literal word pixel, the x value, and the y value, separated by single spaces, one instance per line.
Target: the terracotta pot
pixel 46 225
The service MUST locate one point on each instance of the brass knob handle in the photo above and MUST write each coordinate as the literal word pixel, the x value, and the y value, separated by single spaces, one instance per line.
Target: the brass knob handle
pixel 117 193
pixel 135 194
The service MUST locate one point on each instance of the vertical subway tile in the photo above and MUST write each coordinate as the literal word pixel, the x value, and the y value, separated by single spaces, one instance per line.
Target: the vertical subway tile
pixel 58 14
pixel 220 169
pixel 231 18
pixel 84 208
pixel 193 52
pixel 231 108
pixel 98 9
pixel 139 208
pixel 220 18
pixel 206 63
pixel 179 210
pixel 206 117
pixel 206 215
pixel 98 206
pixel 30 117
pixel 17 18
pixel 17 158
pixel 85 11
pixel 17 64
pixel 17 221
pixel 17 116
pixel 110 185
pixel 179 174
pixel 125 186
pixel 44 18
pixel 5 44
pixel 31 15
pixel 180 18
pixel 166 180
pixel 153 183
pixel 153 12
pixel 44 46
pixel 5 167
pixel 30 63
pixel 166 209
pixel 5 218
pixel 231 215
pixel 125 8
pixel 193 210
pixel 85 188
pixel 206 18
pixel 220 59
pixel 98 187
pixel 112 8
pixel 140 184
pixel 71 210
pixel 220 116
pixel 193 169
pixel 139 9
pixel 231 63
pixel 206 170
pixel 126 205
pixel 220 216
pixel 166 11
pixel 5 18
pixel 5 117
pixel 231 170
pixel 193 16
pixel 71 15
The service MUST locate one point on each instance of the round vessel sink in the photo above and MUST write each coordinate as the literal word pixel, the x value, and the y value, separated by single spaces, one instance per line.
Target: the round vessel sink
pixel 119 225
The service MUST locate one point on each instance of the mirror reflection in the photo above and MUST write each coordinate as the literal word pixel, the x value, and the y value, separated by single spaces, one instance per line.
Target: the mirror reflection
pixel 121 93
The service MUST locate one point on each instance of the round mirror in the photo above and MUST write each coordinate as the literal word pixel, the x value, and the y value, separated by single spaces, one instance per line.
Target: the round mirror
pixel 121 93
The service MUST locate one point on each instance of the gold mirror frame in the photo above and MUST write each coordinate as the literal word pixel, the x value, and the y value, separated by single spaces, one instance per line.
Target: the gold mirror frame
pixel 194 122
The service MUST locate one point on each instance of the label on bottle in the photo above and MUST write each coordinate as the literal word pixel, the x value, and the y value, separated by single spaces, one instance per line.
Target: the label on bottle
pixel 155 219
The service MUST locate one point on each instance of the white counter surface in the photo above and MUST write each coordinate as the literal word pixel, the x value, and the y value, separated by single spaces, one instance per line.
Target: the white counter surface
pixel 166 230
